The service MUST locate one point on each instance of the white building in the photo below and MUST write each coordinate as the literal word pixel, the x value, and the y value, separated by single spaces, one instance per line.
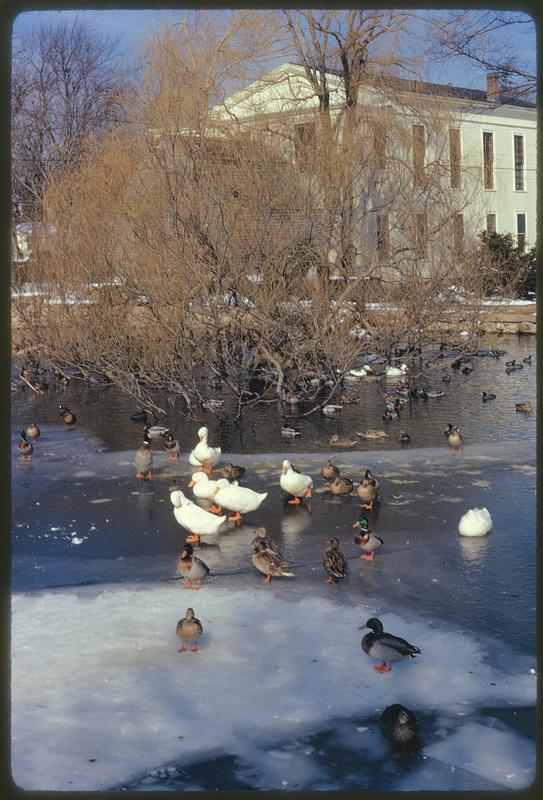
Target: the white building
pixel 480 145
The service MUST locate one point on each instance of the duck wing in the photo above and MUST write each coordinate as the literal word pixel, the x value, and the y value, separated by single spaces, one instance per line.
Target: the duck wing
pixel 335 563
pixel 397 643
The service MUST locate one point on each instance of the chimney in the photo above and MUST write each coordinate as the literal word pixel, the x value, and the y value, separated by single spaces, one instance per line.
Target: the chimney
pixel 493 87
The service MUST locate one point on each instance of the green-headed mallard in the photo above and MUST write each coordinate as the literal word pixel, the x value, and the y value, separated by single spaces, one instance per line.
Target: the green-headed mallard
pixel 335 441
pixel 399 725
pixel 454 437
pixel 171 446
pixel 341 485
pixel 525 408
pixel 143 460
pixel 191 568
pixel 25 447
pixel 33 431
pixel 289 432
pixel 366 540
pixel 330 409
pixel 426 393
pixel 384 646
pixel 527 360
pixel 329 472
pixel 67 416
pixel 334 562
pixel 268 563
pixel 232 472
pixel 189 629
pixel 367 491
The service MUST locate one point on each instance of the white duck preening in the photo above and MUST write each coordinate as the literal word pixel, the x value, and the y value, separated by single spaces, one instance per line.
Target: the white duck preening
pixel 203 455
pixel 295 483
pixel 475 522
pixel 238 499
pixel 395 372
pixel 193 518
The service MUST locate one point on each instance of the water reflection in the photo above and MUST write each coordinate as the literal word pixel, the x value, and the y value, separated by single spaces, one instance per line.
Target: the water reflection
pixel 474 550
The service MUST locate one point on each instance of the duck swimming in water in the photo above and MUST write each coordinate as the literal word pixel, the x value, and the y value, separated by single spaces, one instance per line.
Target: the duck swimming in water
pixel 384 646
pixel 399 725
pixel 67 416
pixel 25 447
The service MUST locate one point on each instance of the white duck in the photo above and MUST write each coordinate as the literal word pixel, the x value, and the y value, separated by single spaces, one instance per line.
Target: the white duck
pixel 204 489
pixel 475 522
pixel 396 372
pixel 295 483
pixel 237 498
pixel 193 518
pixel 360 372
pixel 203 455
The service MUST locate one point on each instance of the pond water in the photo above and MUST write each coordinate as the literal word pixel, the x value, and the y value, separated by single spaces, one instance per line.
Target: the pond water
pixel 282 696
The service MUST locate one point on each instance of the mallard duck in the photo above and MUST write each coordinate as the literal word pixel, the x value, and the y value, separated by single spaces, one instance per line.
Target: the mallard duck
pixel 367 492
pixel 143 460
pixel 395 372
pixel 290 432
pixel 527 360
pixel 334 562
pixel 33 431
pixel 238 499
pixel 262 539
pixel 67 416
pixel 475 522
pixel 384 646
pixel 399 725
pixel 171 446
pixel 139 416
pixel 369 476
pixel 366 540
pixel 189 629
pixel 295 483
pixel 426 393
pixel 446 378
pixel 330 409
pixel 404 437
pixel 204 455
pixel 467 369
pixel 329 472
pixel 486 396
pixel 525 408
pixel 341 485
pixel 360 372
pixel 204 489
pixel 390 415
pixel 454 437
pixel 232 472
pixel 193 518
pixel 335 441
pixel 269 563
pixel 25 447
pixel 348 401
pixel 372 433
pixel 191 568
pixel 155 431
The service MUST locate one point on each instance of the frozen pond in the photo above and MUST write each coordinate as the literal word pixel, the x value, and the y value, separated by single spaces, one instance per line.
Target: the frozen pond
pixel 281 695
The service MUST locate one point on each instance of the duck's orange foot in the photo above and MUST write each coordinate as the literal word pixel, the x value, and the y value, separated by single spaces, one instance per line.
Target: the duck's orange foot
pixel 140 476
pixel 382 668
pixel 309 508
pixel 215 509
pixel 331 581
pixel 173 458
pixel 295 501
pixel 369 506
pixel 188 585
pixel 182 649
pixel 267 579
pixel 149 476
pixel 192 538
pixel 195 649
pixel 367 558
pixel 207 468
pixel 309 492
pixel 236 518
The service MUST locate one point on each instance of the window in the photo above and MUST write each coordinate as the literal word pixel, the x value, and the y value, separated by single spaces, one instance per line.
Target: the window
pixel 488 160
pixel 421 235
pixel 518 148
pixel 379 145
pixel 419 155
pixel 521 232
pixel 304 141
pixel 383 237
pixel 491 223
pixel 458 235
pixel 454 154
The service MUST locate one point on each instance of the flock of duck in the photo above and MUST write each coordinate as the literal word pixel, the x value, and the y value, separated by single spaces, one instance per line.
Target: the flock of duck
pixel 398 724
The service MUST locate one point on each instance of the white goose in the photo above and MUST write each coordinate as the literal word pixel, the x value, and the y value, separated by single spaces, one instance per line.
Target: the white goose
pixel 295 483
pixel 203 455
pixel 475 522
pixel 193 518
pixel 238 499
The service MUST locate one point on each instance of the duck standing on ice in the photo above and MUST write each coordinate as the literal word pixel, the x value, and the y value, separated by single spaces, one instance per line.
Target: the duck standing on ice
pixel 295 483
pixel 143 460
pixel 203 455
pixel 238 499
pixel 384 646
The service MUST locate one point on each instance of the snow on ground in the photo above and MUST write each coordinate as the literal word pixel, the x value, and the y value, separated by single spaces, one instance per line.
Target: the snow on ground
pixel 100 694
